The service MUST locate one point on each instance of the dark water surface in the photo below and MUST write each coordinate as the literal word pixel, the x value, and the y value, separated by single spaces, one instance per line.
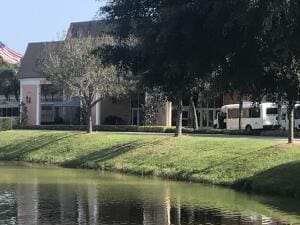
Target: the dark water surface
pixel 39 195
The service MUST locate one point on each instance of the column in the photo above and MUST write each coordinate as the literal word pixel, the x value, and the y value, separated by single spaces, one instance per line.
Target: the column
pixel 30 95
pixel 98 112
pixel 38 104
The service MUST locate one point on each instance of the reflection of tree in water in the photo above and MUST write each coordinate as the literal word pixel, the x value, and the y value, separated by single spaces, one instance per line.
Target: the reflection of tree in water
pixel 27 198
pixel 95 204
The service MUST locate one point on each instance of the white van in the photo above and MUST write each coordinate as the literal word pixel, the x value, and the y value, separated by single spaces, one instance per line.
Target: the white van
pixel 284 119
pixel 255 116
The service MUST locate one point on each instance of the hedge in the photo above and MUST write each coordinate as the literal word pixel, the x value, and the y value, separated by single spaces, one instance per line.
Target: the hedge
pixel 5 124
pixel 156 129
pixel 131 128
pixel 113 128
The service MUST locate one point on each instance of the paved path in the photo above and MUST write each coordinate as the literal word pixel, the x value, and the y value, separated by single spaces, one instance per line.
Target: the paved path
pixel 277 139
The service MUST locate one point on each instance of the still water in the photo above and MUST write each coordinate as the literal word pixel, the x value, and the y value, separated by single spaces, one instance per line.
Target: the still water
pixel 43 195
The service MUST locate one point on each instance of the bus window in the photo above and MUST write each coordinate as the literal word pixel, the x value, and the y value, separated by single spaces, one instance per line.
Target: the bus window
pixel 254 113
pixel 272 111
pixel 297 113
pixel 233 113
pixel 246 113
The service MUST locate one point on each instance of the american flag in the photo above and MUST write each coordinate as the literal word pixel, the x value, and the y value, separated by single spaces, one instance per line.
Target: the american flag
pixel 8 55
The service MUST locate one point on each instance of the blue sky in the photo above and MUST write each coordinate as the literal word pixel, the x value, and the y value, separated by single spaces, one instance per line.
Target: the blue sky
pixel 24 21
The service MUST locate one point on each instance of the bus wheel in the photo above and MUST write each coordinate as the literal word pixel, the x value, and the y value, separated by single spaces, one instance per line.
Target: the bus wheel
pixel 248 128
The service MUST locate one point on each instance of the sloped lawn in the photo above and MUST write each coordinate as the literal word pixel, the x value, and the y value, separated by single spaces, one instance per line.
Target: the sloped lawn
pixel 244 163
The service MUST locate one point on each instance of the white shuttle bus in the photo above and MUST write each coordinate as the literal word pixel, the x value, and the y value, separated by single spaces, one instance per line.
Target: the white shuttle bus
pixel 255 116
pixel 284 121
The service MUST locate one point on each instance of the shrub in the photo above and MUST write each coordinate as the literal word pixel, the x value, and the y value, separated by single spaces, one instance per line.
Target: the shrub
pixel 5 124
pixel 117 128
pixel 52 127
pixel 278 133
pixel 154 129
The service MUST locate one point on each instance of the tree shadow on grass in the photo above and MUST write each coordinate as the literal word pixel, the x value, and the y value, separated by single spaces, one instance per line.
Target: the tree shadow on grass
pixel 280 180
pixel 17 151
pixel 229 161
pixel 94 159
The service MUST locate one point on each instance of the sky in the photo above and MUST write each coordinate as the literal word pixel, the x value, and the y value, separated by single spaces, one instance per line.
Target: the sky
pixel 24 21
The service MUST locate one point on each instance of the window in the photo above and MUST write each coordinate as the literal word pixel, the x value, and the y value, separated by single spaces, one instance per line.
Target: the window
pixel 2 112
pixel 233 113
pixel 9 112
pixel 185 118
pixel 137 101
pixel 254 113
pixel 246 113
pixel 47 108
pixel 185 114
pixel 272 111
pixel 15 112
pixel 297 113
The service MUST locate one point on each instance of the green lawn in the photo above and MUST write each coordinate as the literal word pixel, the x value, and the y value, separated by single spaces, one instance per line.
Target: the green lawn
pixel 249 164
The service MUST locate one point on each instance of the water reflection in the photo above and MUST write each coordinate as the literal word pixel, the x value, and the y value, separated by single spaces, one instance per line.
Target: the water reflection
pixel 57 196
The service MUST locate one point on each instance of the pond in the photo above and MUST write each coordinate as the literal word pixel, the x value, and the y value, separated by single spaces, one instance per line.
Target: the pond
pixel 45 195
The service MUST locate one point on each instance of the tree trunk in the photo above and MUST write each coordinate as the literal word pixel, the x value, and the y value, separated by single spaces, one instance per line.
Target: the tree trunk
pixel 291 123
pixel 178 131
pixel 194 114
pixel 90 123
pixel 279 113
pixel 240 112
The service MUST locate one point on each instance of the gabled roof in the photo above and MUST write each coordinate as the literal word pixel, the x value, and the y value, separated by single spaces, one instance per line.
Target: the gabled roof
pixel 94 29
pixel 28 67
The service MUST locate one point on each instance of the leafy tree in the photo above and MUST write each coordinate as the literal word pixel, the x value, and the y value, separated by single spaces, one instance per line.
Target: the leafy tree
pixel 9 83
pixel 176 43
pixel 282 53
pixel 263 51
pixel 241 71
pixel 71 65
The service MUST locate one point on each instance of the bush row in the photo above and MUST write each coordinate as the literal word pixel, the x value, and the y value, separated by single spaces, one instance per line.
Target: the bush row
pixel 155 129
pixel 113 128
pixel 131 128
pixel 5 124
pixel 278 133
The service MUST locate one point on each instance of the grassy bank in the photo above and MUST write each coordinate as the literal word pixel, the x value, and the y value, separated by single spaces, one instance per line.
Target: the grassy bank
pixel 249 164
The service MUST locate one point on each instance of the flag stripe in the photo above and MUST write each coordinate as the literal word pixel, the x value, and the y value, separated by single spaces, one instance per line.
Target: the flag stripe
pixel 9 55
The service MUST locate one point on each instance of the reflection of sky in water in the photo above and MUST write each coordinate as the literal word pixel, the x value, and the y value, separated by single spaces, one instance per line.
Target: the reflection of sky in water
pixel 63 196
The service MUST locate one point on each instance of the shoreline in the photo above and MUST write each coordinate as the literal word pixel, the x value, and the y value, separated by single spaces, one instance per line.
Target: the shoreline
pixel 243 164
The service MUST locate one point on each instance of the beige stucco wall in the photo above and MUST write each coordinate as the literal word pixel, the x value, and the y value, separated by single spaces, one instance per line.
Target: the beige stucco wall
pixel 30 91
pixel 120 109
pixel 164 116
